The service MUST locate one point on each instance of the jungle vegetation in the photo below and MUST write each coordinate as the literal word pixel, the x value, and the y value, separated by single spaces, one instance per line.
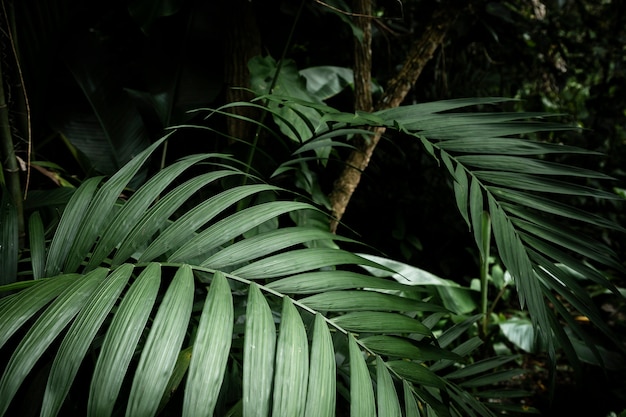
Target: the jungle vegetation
pixel 312 208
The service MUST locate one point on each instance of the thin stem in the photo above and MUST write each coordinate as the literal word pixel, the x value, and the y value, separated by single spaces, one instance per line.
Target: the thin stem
pixel 9 163
pixel 257 133
pixel 484 271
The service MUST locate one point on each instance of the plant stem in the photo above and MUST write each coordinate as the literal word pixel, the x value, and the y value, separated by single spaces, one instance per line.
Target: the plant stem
pixel 484 271
pixel 9 163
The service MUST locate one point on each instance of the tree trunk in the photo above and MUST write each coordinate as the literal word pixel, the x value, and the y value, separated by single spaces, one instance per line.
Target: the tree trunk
pixel 397 89
pixel 242 42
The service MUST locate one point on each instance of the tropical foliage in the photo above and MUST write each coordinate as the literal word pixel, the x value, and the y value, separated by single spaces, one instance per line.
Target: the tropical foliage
pixel 168 282
pixel 246 314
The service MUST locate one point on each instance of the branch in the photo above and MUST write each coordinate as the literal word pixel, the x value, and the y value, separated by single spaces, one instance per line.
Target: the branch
pixel 397 89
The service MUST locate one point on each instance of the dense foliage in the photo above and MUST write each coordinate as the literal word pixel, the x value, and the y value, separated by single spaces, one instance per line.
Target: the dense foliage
pixel 166 243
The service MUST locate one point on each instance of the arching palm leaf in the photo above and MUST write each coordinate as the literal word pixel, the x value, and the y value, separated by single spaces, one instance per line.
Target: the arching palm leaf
pixel 128 317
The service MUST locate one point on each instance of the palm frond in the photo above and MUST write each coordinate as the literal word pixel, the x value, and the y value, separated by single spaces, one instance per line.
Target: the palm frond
pixel 496 170
pixel 277 312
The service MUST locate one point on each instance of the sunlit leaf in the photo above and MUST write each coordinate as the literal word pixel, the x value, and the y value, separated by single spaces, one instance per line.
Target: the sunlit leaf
pixel 312 282
pixel 362 402
pixel 210 350
pixel 292 364
pixel 79 337
pixel 44 331
pixel 162 346
pixel 121 340
pixel 379 322
pixel 36 240
pixel 322 376
pixel 388 403
pixel 20 307
pixel 258 355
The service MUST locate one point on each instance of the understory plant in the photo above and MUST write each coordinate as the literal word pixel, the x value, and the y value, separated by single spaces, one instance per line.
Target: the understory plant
pixel 198 294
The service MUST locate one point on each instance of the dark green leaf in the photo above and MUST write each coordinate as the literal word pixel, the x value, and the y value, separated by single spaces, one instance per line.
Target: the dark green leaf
pixel 44 331
pixel 322 376
pixel 416 373
pixel 79 337
pixel 378 322
pixel 292 364
pixel 210 350
pixel 158 358
pixel 121 340
pixel 365 300
pixel 258 355
pixel 361 392
pixel 313 282
pixel 388 403
pixel 402 348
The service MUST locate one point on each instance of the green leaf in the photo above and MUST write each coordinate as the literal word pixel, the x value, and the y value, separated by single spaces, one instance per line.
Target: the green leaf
pixel 322 375
pixel 101 207
pixel 526 165
pixel 515 258
pixel 551 206
pixel 79 337
pixel 113 132
pixel 378 322
pixel 157 216
pixel 20 307
pixel 162 346
pixel 327 81
pixel 121 340
pixel 45 330
pixel 69 225
pixel 37 244
pixel 476 215
pixel 520 332
pixel 530 182
pixel 210 350
pixel 258 355
pixel 292 364
pixel 410 405
pixel 461 192
pixel 388 403
pixel 266 243
pixel 404 273
pixel 312 282
pixel 493 378
pixel 232 227
pixel 366 300
pixel 184 228
pixel 9 239
pixel 507 146
pixel 361 392
pixel 481 366
pixel 178 374
pixel 393 346
pixel 297 261
pixel 135 208
pixel 416 373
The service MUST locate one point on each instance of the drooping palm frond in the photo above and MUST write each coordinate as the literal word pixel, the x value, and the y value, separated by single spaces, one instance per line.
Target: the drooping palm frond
pixel 496 170
pixel 123 298
pixel 499 173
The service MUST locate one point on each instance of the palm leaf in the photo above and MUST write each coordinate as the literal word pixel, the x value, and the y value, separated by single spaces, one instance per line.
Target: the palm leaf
pixel 44 331
pixel 388 402
pixel 120 341
pixel 292 364
pixel 210 351
pixel 322 378
pixel 149 324
pixel 361 390
pixel 162 345
pixel 258 359
pixel 79 337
